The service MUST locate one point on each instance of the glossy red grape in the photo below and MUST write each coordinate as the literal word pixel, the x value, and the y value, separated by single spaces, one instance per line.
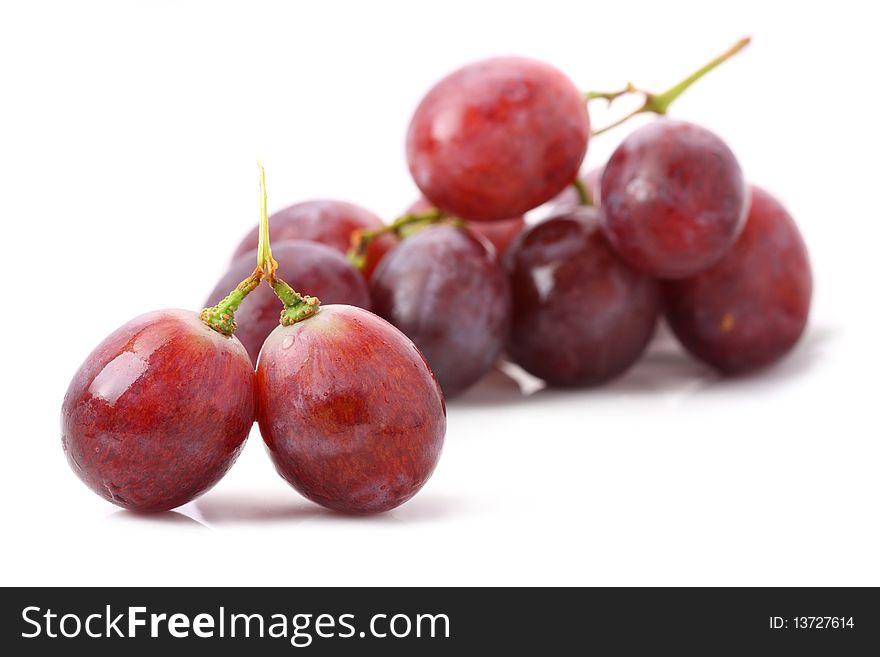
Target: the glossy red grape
pixel 443 287
pixel 351 414
pixel 308 267
pixel 581 315
pixel 497 138
pixel 159 411
pixel 499 233
pixel 674 199
pixel 325 221
pixel 751 307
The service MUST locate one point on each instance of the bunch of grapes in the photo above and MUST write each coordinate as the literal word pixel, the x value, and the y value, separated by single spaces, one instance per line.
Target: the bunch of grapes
pixel 349 393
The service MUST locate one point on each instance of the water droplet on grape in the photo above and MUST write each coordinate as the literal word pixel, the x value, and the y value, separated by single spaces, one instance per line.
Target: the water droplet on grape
pixel 287 342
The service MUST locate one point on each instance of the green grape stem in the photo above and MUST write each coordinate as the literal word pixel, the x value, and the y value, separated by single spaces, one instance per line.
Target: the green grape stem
pixel 584 196
pixel 360 240
pixel 221 317
pixel 297 307
pixel 659 103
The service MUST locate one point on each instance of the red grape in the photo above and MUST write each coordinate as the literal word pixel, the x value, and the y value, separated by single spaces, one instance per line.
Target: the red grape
pixel 751 307
pixel 309 267
pixel 351 414
pixel 444 288
pixel 674 199
pixel 325 221
pixel 159 411
pixel 497 138
pixel 580 314
pixel 499 233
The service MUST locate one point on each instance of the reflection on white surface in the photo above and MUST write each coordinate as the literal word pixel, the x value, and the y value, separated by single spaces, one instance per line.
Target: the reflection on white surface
pixel 218 508
pixel 166 518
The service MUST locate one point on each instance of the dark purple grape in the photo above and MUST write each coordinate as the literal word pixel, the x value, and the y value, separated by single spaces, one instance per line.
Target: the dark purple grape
pixel 580 314
pixel 674 199
pixel 751 307
pixel 309 267
pixel 444 288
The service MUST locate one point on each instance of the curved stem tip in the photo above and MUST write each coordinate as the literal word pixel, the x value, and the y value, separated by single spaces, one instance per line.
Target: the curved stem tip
pixel 659 103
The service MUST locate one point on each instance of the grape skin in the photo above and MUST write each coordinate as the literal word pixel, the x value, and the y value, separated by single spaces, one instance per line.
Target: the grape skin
pixel 350 413
pixel 674 199
pixel 159 411
pixel 581 316
pixel 750 308
pixel 497 138
pixel 444 288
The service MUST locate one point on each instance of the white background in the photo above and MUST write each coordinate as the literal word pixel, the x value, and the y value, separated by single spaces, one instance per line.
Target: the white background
pixel 128 136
